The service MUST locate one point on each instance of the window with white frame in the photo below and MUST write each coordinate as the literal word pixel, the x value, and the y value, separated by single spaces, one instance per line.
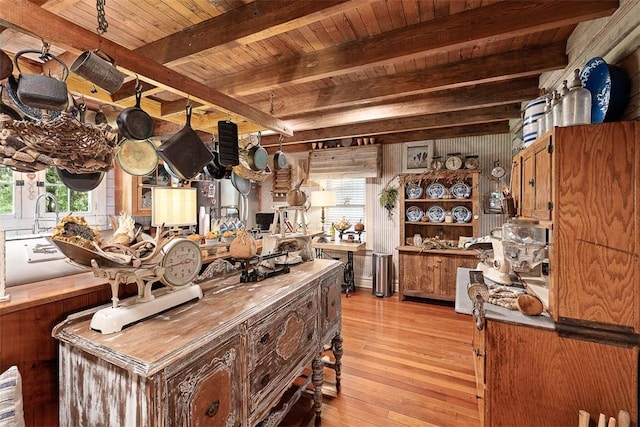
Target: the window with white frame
pixel 68 200
pixel 350 200
pixel 7 194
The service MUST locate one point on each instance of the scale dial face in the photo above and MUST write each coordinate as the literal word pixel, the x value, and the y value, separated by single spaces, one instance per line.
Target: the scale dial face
pixel 453 163
pixel 181 261
pixel 471 163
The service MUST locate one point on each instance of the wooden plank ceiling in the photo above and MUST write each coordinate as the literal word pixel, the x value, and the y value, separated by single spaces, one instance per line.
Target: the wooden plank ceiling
pixel 312 70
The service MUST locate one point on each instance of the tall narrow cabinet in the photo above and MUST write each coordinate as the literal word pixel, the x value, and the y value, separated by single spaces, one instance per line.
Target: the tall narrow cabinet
pixel 436 208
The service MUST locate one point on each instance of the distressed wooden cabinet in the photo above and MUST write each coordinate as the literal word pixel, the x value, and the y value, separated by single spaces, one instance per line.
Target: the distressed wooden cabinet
pixel 431 273
pixel 229 359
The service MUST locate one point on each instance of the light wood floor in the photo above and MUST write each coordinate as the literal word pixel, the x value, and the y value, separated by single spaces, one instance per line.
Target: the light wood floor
pixel 405 364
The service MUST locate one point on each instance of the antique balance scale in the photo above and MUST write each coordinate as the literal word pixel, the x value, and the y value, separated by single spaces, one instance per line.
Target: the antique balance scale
pixel 169 259
pixel 180 263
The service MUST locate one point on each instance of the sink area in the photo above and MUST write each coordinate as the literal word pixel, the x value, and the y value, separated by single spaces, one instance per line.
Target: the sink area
pixel 31 258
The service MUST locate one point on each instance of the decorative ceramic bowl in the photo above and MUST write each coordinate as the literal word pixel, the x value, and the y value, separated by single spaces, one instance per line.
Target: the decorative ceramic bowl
pixel 609 87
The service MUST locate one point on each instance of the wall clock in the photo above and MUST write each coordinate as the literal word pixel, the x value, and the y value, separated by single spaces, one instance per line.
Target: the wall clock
pixel 453 162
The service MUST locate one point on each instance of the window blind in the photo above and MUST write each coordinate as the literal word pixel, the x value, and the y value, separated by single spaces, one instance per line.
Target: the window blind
pixel 350 200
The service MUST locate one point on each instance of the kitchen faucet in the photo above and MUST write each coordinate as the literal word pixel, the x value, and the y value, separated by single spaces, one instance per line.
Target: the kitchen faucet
pixel 36 214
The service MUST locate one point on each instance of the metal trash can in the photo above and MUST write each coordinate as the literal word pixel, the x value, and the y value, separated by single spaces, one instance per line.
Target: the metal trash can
pixel 382 275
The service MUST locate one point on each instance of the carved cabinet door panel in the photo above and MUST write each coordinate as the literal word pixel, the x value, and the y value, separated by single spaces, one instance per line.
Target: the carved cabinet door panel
pixel 278 346
pixel 207 392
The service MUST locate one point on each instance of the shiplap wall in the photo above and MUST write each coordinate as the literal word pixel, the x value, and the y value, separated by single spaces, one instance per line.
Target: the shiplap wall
pixel 381 232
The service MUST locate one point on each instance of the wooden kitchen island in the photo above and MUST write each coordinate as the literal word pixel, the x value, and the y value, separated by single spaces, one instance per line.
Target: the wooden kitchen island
pixel 229 359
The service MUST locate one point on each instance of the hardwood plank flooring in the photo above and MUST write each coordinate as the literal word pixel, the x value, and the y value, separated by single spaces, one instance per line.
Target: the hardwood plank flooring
pixel 405 363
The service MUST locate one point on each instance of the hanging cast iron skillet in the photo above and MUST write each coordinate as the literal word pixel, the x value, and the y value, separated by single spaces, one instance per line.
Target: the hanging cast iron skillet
pixel 134 122
pixel 5 109
pixel 279 159
pixel 82 182
pixel 185 152
pixel 214 169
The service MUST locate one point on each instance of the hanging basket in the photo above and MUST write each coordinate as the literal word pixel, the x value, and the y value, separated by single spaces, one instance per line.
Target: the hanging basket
pixel 64 142
pixel 243 170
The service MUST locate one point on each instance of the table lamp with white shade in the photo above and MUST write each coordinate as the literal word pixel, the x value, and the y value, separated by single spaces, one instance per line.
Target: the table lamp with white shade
pixel 323 199
pixel 174 207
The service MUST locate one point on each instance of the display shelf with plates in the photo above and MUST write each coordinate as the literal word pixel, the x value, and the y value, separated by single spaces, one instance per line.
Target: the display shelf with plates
pixel 441 206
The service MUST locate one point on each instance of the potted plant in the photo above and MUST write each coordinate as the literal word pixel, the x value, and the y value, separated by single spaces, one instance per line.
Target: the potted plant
pixel 388 199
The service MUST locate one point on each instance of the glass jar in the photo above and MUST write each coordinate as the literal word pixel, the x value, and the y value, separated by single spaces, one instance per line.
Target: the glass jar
pixel 524 244
pixel 576 104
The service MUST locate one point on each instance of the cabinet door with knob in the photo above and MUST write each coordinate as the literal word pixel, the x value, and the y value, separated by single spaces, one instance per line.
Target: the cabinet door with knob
pixel 535 181
pixel 207 391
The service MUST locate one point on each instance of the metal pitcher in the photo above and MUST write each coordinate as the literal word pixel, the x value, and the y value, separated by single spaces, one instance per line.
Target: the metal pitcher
pixel 98 68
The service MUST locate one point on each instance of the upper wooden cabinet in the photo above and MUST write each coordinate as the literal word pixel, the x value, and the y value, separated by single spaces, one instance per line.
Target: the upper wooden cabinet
pixel 531 181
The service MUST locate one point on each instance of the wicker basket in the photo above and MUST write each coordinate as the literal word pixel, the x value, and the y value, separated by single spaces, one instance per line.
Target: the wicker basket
pixel 243 170
pixel 64 142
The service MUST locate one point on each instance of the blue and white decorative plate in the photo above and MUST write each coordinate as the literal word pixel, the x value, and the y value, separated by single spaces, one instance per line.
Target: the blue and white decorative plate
pixel 436 191
pixel 414 191
pixel 460 190
pixel 461 214
pixel 414 213
pixel 436 213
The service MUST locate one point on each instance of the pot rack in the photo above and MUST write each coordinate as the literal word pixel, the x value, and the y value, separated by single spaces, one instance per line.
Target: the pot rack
pixel 28 19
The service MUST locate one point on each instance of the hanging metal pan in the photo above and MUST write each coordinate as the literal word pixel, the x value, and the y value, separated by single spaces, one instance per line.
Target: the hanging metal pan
pixel 82 182
pixel 6 65
pixel 185 152
pixel 134 122
pixel 243 185
pixel 279 159
pixel 257 156
pixel 137 157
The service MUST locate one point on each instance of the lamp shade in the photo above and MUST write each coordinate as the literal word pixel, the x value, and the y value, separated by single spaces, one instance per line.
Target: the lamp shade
pixel 173 206
pixel 323 198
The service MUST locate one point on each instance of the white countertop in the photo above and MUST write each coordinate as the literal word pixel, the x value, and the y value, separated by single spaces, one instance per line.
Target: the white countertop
pixel 463 306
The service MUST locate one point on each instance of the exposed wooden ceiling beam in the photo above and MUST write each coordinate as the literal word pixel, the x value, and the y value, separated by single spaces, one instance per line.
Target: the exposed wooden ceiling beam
pixel 246 24
pixel 492 128
pixel 24 16
pixel 498 21
pixel 488 95
pixel 492 68
pixel 449 119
